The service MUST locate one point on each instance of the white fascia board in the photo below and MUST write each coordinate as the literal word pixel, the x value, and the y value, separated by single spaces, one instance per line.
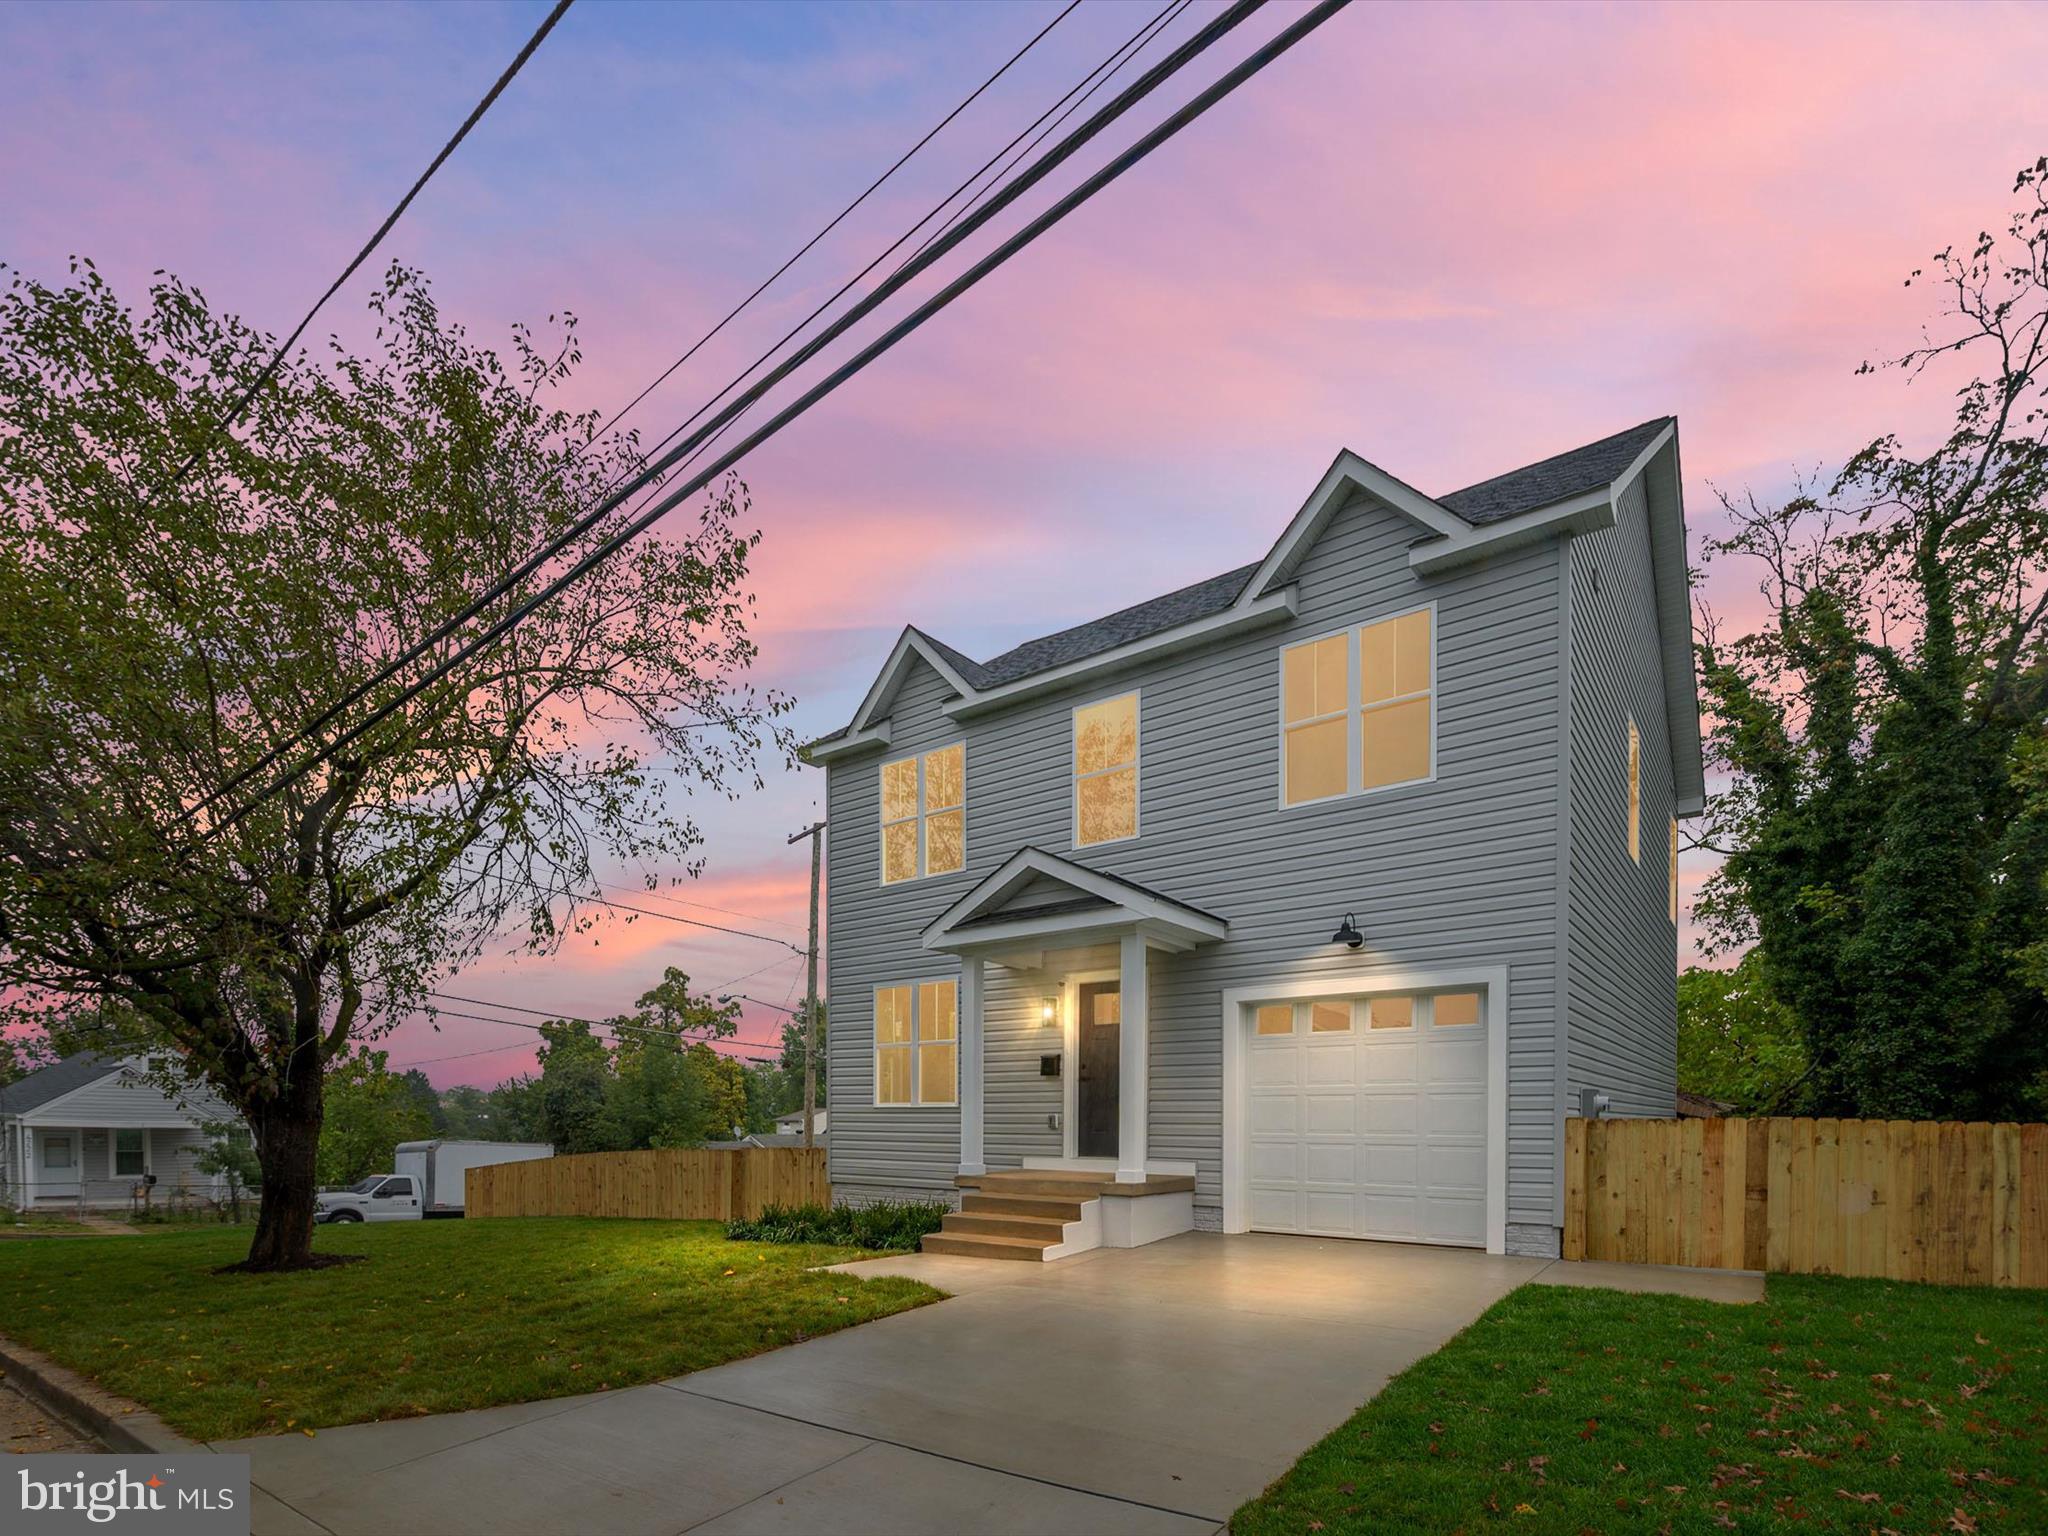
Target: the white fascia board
pixel 910 644
pixel 850 743
pixel 1275 608
pixel 1347 473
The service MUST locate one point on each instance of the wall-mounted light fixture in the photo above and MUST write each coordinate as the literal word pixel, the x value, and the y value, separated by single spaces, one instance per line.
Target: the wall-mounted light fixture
pixel 1347 933
pixel 1049 1011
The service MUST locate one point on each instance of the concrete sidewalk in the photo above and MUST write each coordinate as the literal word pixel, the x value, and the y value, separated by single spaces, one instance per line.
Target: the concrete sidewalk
pixel 1138 1390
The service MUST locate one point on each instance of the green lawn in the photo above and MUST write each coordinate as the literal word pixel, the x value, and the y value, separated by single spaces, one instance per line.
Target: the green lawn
pixel 443 1315
pixel 1846 1405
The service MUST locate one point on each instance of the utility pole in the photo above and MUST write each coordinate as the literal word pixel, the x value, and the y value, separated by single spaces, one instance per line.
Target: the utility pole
pixel 814 832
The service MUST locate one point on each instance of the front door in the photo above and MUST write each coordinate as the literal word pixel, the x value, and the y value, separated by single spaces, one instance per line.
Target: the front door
pixel 1095 1107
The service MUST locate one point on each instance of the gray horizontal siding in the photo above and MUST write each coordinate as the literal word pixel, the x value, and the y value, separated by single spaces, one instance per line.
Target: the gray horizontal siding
pixel 1623 948
pixel 1462 870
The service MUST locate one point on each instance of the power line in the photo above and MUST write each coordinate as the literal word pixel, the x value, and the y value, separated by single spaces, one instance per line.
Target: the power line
pixel 612 543
pixel 489 1050
pixel 449 626
pixel 838 217
pixel 652 471
pixel 711 433
pixel 241 404
pixel 638 1031
pixel 620 906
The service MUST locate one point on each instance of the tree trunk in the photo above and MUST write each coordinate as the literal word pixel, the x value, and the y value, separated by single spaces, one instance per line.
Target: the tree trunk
pixel 287 1133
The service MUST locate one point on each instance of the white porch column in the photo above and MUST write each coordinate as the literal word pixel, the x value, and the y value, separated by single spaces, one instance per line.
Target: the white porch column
pixel 970 1065
pixel 1133 1061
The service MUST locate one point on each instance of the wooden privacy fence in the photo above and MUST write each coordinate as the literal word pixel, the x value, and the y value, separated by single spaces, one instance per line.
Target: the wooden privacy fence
pixel 673 1184
pixel 1951 1203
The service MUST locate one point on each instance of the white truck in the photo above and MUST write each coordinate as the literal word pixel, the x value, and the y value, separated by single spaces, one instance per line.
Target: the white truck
pixel 426 1180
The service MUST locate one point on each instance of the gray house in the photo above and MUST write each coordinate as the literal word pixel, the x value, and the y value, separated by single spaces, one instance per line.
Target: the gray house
pixel 89 1131
pixel 1304 899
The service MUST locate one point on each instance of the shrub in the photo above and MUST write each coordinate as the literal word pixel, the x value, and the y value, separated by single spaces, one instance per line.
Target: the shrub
pixel 885 1224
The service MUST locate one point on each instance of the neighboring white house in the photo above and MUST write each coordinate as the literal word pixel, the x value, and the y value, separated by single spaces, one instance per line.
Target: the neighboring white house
pixel 92 1128
pixel 793 1124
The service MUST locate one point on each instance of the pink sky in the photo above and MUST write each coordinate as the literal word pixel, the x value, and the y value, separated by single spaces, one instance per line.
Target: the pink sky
pixel 1453 238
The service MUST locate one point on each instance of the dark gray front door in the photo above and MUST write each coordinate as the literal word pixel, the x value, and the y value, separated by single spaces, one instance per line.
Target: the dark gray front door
pixel 1096 1088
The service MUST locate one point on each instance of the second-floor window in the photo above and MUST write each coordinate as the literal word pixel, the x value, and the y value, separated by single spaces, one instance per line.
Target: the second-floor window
pixel 924 814
pixel 1338 737
pixel 1106 771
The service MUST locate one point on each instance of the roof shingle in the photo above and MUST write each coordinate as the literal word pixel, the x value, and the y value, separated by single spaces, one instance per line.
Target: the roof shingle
pixel 1541 484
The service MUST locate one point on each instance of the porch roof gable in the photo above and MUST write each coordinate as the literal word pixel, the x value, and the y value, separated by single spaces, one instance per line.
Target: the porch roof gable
pixel 1064 902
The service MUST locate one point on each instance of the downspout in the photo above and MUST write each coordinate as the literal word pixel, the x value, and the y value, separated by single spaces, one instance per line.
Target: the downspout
pixel 1562 969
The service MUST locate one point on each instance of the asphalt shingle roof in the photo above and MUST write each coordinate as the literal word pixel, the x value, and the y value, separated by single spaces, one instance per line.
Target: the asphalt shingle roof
pixel 1519 490
pixel 56 1080
pixel 1553 479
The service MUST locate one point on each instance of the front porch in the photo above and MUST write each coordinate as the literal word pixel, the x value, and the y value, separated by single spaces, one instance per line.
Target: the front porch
pixel 63 1166
pixel 1074 948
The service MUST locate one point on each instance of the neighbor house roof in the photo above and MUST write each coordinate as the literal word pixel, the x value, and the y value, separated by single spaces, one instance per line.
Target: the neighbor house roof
pixel 56 1080
pixel 1542 484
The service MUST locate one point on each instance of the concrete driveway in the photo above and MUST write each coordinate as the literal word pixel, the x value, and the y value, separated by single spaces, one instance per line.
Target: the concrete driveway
pixel 1140 1390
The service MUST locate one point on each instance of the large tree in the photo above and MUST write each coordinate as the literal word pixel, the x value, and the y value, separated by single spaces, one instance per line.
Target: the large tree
pixel 1882 848
pixel 160 632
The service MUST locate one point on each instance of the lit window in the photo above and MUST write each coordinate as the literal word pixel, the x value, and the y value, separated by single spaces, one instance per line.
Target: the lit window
pixel 917 1043
pixel 1674 869
pixel 924 814
pixel 1393 707
pixel 1315 681
pixel 1329 1018
pixel 1393 1013
pixel 1635 793
pixel 1106 771
pixel 1394 680
pixel 1274 1019
pixel 1454 1010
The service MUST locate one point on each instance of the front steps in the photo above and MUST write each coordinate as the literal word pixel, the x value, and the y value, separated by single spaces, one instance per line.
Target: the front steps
pixel 1036 1215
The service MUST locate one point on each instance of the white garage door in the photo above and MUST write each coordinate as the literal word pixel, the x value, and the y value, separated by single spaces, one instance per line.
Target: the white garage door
pixel 1367 1117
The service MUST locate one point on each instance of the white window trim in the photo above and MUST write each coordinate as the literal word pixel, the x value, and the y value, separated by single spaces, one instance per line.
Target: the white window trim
pixel 73 1154
pixel 1491 981
pixel 882 826
pixel 1354 711
pixel 876 1046
pixel 1137 698
pixel 114 1152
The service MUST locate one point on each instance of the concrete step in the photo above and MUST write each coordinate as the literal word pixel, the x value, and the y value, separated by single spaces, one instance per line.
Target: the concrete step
pixel 1047 1207
pixel 987 1224
pixel 1029 1249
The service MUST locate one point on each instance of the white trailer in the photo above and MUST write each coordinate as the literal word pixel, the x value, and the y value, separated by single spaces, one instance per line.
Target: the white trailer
pixel 437 1167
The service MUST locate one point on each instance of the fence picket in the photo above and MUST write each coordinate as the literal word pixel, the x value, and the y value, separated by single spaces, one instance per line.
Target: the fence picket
pixel 667 1183
pixel 1951 1203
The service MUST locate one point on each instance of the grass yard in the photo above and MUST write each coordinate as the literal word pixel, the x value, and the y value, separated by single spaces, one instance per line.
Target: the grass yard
pixel 444 1315
pixel 1835 1405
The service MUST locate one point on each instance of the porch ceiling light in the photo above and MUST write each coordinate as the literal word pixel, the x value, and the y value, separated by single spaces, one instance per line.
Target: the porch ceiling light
pixel 1347 933
pixel 1049 1011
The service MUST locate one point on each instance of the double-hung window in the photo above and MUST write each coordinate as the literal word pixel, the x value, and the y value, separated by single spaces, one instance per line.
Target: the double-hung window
pixel 129 1156
pixel 1358 709
pixel 917 1043
pixel 1106 771
pixel 924 814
